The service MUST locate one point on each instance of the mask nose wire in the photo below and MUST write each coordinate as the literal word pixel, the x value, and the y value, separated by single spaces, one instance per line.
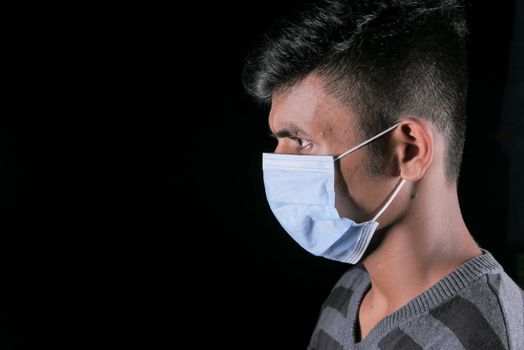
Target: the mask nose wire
pixel 366 142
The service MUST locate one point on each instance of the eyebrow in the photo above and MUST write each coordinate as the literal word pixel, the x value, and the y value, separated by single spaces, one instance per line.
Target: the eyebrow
pixel 292 131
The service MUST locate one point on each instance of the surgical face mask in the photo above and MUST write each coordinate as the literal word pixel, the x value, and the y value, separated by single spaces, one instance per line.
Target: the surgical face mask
pixel 301 193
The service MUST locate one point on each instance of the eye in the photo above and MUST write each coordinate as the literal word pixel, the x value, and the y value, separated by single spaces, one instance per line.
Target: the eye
pixel 302 144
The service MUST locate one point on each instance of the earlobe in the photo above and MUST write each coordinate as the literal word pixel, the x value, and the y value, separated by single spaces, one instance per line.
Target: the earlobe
pixel 415 148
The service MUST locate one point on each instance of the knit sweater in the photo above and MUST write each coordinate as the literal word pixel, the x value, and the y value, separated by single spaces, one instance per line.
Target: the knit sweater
pixel 476 306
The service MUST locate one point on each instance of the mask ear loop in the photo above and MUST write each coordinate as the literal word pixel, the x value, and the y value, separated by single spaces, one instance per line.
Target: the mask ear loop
pixel 390 200
pixel 366 142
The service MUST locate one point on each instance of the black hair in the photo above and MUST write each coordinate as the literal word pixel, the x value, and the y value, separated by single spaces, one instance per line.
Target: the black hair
pixel 384 59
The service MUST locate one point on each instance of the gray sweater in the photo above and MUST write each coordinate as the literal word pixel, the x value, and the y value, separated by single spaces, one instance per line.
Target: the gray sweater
pixel 477 306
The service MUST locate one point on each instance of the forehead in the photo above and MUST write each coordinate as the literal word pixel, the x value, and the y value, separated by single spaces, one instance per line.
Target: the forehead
pixel 310 106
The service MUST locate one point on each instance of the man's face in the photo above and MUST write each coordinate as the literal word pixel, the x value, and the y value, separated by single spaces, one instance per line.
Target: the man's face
pixel 307 120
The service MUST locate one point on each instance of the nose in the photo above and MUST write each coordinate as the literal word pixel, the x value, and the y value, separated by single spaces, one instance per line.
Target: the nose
pixel 279 149
pixel 284 147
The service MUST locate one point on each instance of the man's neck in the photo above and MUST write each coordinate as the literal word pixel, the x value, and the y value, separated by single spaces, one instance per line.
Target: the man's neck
pixel 419 250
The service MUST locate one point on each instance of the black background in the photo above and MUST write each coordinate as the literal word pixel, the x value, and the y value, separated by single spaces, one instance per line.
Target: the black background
pixel 133 209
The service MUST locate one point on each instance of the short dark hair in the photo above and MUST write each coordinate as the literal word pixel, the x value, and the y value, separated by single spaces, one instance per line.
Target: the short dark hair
pixel 384 59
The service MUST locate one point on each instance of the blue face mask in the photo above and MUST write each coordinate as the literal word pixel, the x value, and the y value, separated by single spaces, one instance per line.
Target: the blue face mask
pixel 301 193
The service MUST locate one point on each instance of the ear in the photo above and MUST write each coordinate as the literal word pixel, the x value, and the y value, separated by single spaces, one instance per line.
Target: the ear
pixel 414 145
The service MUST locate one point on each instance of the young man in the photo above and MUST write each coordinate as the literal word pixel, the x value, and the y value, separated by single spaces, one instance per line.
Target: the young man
pixel 368 106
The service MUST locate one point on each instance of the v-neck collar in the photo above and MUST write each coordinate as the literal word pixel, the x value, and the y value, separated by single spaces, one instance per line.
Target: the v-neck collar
pixel 442 291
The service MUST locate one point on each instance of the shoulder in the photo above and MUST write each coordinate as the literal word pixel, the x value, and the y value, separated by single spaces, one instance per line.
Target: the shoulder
pixel 489 313
pixel 505 290
pixel 510 299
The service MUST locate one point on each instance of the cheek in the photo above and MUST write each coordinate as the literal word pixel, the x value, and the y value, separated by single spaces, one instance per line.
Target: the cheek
pixel 358 196
pixel 348 196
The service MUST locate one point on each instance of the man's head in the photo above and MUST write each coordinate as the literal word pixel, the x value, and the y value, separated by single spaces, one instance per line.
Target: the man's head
pixel 381 60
